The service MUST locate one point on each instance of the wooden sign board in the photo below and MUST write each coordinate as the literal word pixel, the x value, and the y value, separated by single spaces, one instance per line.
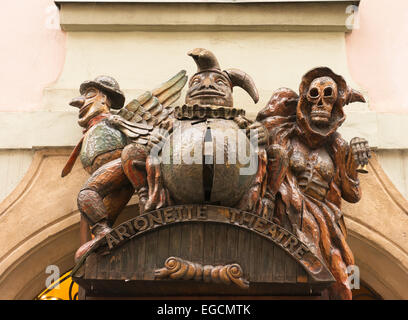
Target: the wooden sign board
pixel 273 261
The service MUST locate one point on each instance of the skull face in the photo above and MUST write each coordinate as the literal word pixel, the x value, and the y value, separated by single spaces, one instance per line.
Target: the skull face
pixel 322 95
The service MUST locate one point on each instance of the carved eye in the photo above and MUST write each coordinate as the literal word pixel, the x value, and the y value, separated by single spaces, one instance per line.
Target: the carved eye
pixel 314 93
pixel 220 82
pixel 195 81
pixel 90 94
pixel 328 92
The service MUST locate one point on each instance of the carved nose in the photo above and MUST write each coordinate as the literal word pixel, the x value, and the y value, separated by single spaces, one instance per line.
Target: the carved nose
pixel 77 102
pixel 207 83
pixel 320 102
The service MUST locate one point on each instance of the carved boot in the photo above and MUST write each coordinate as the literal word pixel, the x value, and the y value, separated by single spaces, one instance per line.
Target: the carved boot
pixel 134 166
pixel 99 230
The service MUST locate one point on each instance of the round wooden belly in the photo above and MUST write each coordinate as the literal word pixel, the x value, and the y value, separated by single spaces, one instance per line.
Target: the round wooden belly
pixel 208 162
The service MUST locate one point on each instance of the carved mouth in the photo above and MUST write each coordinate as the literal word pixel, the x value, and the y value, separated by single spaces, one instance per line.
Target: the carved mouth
pixel 207 93
pixel 83 110
pixel 320 114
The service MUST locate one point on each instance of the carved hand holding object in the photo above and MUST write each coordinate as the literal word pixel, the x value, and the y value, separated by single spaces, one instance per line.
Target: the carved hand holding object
pixel 361 153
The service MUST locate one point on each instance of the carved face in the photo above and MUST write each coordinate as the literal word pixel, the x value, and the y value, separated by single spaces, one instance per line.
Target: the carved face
pixel 322 95
pixel 209 88
pixel 91 103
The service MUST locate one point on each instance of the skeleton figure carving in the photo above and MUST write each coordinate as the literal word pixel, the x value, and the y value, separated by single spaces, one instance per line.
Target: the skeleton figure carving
pixel 322 95
pixel 310 167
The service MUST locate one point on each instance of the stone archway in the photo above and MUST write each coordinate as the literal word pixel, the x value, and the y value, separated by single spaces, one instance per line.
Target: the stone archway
pixel 380 270
pixel 40 226
pixel 378 234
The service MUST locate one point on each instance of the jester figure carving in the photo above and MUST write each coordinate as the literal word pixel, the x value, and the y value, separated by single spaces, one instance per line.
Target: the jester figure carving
pixel 311 168
pixel 201 128
pixel 303 168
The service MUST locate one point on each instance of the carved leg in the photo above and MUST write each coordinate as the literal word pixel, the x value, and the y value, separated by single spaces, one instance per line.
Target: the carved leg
pixel 134 166
pixel 101 199
pixel 158 195
pixel 117 201
pixel 154 182
pixel 145 176
pixel 252 200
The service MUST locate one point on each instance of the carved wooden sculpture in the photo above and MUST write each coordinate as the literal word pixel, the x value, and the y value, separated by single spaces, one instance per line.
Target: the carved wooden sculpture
pixel 311 168
pixel 209 111
pixel 292 196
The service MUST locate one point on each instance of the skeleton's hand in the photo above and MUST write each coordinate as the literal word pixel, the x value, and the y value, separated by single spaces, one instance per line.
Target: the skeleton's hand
pixel 360 151
pixel 261 133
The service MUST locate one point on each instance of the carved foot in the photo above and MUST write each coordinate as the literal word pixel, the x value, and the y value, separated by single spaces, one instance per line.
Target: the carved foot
pixel 100 232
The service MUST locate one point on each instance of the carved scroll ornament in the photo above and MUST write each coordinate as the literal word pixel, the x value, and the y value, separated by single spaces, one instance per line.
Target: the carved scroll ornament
pixel 178 269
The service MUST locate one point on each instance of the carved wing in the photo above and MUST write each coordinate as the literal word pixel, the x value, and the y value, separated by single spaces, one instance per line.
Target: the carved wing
pixel 141 115
pixel 152 107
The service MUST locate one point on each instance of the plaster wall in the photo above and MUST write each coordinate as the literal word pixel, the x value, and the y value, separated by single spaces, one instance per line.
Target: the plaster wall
pixel 32 52
pixel 377 51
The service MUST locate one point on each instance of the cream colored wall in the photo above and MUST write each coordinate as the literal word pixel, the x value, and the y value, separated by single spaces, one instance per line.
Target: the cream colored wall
pixel 377 53
pixel 395 164
pixel 32 52
pixel 142 60
pixel 32 57
pixel 14 165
